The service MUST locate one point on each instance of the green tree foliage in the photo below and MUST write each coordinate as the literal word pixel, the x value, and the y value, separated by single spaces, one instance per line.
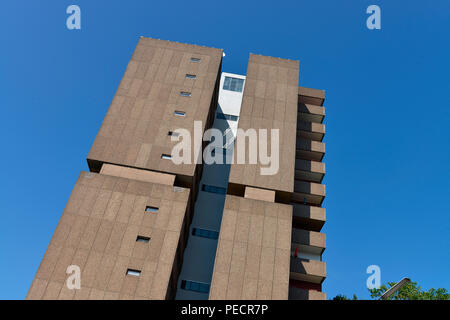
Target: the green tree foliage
pixel 411 291
pixel 344 297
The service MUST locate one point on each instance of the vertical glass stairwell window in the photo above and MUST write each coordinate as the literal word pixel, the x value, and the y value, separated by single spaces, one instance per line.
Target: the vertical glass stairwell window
pixel 195 286
pixel 203 233
pixel 213 189
pixel 233 84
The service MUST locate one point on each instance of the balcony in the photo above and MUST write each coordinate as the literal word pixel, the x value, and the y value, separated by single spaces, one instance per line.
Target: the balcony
pixel 305 294
pixel 308 193
pixel 307 245
pixel 310 130
pixel 310 112
pixel 307 170
pixel 310 150
pixel 311 96
pixel 310 239
pixel 308 217
pixel 307 270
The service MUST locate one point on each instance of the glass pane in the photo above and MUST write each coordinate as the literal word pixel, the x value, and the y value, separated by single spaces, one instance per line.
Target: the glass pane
pixel 151 209
pixel 239 83
pixel 233 84
pixel 195 286
pixel 227 83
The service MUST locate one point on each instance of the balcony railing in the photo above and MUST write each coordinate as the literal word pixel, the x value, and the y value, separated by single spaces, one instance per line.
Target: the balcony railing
pixel 310 130
pixel 311 96
pixel 307 270
pixel 308 217
pixel 310 150
pixel 308 170
pixel 308 193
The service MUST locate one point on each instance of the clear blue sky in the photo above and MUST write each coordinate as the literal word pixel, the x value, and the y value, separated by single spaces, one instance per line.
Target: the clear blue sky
pixel 387 119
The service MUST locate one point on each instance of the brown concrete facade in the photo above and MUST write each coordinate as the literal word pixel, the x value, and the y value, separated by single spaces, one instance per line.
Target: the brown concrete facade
pixel 252 258
pixel 272 99
pixel 270 102
pixel 98 232
pixel 135 131
pixel 133 194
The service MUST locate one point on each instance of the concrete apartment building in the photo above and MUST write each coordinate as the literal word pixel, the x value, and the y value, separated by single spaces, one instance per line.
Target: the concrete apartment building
pixel 141 227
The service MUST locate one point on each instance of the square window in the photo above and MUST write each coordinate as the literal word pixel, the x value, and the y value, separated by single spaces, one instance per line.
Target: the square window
pixel 180 113
pixel 142 239
pixel 133 272
pixel 151 209
pixel 233 84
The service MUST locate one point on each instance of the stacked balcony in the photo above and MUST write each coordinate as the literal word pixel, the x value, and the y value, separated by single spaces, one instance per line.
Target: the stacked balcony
pixel 307 270
pixel 308 217
pixel 310 150
pixel 306 256
pixel 296 293
pixel 308 170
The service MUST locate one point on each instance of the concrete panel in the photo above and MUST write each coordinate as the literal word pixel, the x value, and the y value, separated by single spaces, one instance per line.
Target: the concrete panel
pixel 134 132
pixel 270 102
pixel 102 240
pixel 254 266
pixel 259 194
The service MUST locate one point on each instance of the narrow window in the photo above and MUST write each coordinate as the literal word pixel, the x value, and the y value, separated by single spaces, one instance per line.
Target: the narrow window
pixel 185 94
pixel 179 113
pixel 224 116
pixel 142 239
pixel 133 272
pixel 191 76
pixel 166 156
pixel 173 134
pixel 233 84
pixel 151 209
pixel 213 189
pixel 205 233
pixel 195 286
pixel 195 59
